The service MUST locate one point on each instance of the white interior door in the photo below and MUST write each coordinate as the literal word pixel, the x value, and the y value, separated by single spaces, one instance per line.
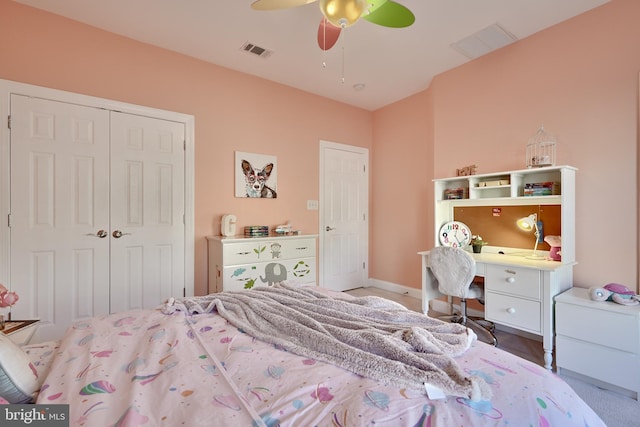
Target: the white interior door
pixel 147 211
pixel 344 202
pixel 59 212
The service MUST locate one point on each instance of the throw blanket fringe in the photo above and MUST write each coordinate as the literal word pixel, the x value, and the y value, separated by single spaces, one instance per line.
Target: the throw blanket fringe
pixel 370 336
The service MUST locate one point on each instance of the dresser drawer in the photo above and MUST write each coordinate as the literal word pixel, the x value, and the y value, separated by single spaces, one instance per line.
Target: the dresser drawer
pixel 297 271
pixel 596 326
pixel 268 249
pixel 298 248
pixel 522 282
pixel 512 311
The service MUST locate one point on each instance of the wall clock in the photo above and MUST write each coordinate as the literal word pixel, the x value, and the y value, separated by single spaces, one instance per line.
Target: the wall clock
pixel 455 234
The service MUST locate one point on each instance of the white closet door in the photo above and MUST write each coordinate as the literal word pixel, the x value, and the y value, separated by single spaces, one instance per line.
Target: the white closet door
pixel 59 203
pixel 147 207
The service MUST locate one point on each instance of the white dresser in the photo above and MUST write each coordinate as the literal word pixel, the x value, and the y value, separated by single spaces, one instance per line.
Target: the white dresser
pixel 598 340
pixel 237 263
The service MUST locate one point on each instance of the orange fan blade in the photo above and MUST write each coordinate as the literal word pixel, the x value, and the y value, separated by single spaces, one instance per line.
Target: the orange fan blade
pixel 327 34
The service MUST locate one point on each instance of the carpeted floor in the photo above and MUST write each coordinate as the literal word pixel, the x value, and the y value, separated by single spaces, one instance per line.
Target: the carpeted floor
pixel 616 410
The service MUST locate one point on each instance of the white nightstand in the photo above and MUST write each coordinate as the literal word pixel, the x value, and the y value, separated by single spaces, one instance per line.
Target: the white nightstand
pixel 20 331
pixel 599 341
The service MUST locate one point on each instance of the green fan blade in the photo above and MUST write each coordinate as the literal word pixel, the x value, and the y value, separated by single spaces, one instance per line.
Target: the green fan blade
pixel 278 4
pixel 389 14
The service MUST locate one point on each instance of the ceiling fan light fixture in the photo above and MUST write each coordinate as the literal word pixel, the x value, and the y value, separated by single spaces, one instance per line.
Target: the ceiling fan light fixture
pixel 343 13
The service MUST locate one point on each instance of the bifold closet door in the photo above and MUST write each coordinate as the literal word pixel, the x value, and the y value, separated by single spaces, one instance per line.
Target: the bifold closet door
pixel 97 212
pixel 147 211
pixel 59 212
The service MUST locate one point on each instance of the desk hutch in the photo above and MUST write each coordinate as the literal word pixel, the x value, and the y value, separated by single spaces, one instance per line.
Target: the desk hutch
pixel 519 292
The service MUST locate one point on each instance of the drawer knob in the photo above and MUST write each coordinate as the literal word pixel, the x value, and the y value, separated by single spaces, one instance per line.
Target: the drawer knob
pixel 511 280
pixel 511 310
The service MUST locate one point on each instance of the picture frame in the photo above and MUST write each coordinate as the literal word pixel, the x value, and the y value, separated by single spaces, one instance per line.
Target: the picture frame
pixel 256 175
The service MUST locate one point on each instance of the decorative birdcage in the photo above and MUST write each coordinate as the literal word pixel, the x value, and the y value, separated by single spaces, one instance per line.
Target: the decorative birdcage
pixel 541 149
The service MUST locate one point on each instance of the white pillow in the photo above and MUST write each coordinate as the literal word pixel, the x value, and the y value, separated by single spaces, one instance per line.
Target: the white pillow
pixel 18 377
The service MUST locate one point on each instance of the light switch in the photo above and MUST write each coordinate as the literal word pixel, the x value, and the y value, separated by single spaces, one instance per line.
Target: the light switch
pixel 312 205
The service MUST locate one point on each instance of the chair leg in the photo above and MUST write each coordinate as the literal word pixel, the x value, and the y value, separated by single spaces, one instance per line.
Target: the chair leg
pixel 484 326
pixel 481 329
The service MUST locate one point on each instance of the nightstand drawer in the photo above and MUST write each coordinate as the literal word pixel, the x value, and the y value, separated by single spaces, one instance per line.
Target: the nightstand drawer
pixel 512 311
pixel 20 331
pixel 599 325
pixel 602 363
pixel 523 282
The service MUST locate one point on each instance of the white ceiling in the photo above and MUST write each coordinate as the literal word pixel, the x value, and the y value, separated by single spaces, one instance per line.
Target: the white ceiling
pixel 391 63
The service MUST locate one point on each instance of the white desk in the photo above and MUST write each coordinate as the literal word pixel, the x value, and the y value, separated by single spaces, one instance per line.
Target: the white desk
pixel 519 292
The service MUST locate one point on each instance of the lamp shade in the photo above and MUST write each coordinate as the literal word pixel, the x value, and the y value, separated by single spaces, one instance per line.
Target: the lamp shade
pixel 528 223
pixel 343 13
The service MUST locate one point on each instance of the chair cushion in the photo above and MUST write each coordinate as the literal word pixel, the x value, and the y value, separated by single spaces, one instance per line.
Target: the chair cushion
pixel 18 376
pixel 454 269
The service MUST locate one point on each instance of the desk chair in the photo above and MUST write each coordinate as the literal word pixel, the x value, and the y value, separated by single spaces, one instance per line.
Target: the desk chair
pixel 455 269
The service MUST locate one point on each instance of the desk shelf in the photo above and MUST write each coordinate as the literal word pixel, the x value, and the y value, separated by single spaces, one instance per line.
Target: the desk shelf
pixel 512 194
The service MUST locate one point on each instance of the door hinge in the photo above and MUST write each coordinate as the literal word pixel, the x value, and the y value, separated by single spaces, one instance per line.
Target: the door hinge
pixel 184 292
pixel 9 122
pixel 9 220
pixel 364 168
pixel 184 145
pixel 364 265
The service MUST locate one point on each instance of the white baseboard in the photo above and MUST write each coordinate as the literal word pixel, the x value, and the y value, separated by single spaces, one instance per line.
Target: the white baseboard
pixel 393 287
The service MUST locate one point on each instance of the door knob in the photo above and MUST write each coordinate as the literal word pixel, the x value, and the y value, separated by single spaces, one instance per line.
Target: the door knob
pixel 329 228
pixel 100 233
pixel 118 234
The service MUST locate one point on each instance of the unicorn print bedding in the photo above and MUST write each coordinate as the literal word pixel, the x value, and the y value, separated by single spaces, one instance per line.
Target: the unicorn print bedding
pixel 146 368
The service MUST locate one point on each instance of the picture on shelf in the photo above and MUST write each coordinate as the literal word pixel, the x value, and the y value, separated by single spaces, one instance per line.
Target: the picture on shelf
pixel 256 175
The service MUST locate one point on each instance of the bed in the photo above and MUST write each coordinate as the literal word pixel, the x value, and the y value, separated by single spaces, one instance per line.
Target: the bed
pixel 186 364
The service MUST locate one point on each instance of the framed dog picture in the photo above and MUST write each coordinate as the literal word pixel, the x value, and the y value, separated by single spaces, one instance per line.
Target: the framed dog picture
pixel 256 175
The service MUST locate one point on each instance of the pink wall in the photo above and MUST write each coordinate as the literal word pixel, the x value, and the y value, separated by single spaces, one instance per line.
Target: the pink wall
pixel 579 79
pixel 402 190
pixel 233 111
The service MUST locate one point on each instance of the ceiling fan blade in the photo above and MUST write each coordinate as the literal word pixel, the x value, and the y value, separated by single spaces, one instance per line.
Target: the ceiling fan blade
pixel 278 4
pixel 390 14
pixel 327 34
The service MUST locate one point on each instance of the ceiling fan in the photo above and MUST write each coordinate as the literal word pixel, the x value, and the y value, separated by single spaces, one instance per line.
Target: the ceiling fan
pixel 339 14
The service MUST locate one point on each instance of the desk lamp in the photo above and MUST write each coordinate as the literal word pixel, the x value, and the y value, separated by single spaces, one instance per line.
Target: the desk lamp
pixel 530 223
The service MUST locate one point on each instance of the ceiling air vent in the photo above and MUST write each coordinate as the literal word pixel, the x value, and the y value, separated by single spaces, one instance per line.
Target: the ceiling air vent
pixel 256 50
pixel 484 41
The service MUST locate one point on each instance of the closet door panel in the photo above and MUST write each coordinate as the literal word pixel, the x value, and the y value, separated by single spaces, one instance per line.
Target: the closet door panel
pixel 147 207
pixel 59 202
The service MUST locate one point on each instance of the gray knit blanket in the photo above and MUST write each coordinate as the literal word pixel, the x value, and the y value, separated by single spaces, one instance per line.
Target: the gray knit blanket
pixel 370 336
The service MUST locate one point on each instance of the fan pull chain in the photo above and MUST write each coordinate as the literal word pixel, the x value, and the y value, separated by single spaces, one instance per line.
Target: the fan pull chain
pixel 344 35
pixel 324 43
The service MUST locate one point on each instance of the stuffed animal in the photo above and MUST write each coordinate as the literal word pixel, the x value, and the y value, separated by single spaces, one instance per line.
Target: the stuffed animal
pixel 615 292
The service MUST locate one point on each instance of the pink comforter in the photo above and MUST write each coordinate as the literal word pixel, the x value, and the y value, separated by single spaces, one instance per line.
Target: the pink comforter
pixel 143 368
